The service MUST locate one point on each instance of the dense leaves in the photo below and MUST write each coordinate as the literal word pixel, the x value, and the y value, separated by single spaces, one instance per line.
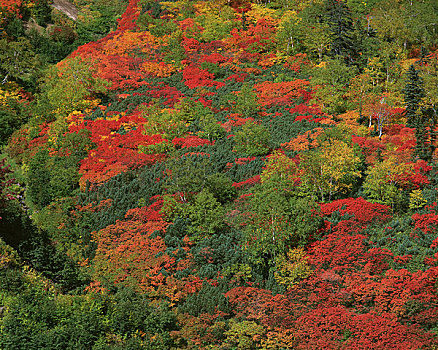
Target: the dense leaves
pixel 228 175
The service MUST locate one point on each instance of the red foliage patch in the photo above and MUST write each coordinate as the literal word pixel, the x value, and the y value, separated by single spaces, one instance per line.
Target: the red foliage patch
pixel 190 141
pixel 427 223
pixel 128 20
pixel 250 42
pixel 260 304
pixel 363 211
pixel 284 93
pixel 237 77
pixel 247 183
pixel 303 109
pixel 196 77
pixel 115 152
pixel 11 7
pixel 338 328
pixel 337 252
pixel 215 58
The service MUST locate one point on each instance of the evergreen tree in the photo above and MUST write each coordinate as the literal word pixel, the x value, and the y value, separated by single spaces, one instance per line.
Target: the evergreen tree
pixel 413 93
pixel 418 118
pixel 38 176
pixel 426 135
pixel 344 44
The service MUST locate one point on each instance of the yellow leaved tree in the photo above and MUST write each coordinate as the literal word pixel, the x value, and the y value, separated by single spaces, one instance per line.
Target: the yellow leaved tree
pixel 331 168
pixel 292 267
pixel 70 86
pixel 384 180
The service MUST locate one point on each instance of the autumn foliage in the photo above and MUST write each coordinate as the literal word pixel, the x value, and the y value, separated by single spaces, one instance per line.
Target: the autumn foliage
pixel 249 195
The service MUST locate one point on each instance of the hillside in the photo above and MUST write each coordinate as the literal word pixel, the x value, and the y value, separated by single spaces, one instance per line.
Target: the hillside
pixel 219 175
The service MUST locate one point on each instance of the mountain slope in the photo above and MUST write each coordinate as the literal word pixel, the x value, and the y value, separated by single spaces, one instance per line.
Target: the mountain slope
pixel 194 184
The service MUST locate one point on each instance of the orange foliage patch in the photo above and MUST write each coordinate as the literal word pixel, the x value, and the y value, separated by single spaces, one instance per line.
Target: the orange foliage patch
pixel 283 93
pixel 304 141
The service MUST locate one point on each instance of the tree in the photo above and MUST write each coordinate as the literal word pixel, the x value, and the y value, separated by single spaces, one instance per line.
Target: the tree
pixel 330 169
pixel 277 220
pixel 221 187
pixel 70 86
pixel 167 123
pixel 429 74
pixel 360 7
pixel 17 60
pixel 281 171
pixel 252 140
pixel 14 111
pixel 331 79
pixel 338 16
pixel 381 113
pixel 292 267
pixel 289 33
pixel 413 94
pixel 245 335
pixel 382 183
pixel 5 184
pixel 318 40
pixel 187 175
pixel 305 31
pixel 406 23
pixel 360 89
pixel 246 101
pixel 429 104
pixel 422 119
pixel 206 215
pixel 38 178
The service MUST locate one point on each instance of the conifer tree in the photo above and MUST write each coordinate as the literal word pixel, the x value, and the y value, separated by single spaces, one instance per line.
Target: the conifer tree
pixel 413 93
pixel 38 175
pixel 417 117
pixel 343 44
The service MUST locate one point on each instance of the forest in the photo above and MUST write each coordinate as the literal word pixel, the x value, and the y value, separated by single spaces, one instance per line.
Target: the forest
pixel 218 174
